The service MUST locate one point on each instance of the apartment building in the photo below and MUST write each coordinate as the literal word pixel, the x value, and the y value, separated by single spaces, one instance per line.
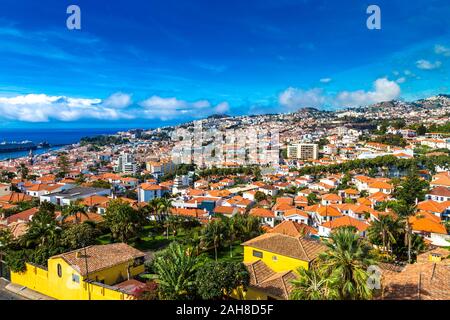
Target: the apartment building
pixel 303 151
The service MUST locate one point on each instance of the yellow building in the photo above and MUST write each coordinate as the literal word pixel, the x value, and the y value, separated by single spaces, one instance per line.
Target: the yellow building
pixel 98 272
pixel 272 260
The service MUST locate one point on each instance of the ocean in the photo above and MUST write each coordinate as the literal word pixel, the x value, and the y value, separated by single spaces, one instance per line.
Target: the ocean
pixel 52 136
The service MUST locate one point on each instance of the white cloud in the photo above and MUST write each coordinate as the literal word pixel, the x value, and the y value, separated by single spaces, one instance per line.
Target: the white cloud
pixel 326 80
pixel 43 108
pixel 118 100
pixel 383 90
pixel 293 98
pixel 222 108
pixel 440 49
pixel 401 80
pixel 428 65
pixel 170 108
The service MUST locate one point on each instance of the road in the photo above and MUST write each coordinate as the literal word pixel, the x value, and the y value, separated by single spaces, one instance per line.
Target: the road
pixel 7 295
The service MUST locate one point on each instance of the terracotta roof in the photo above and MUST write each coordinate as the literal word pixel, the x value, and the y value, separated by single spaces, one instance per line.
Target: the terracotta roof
pixel 364 201
pixel 272 283
pixel 18 229
pixel 295 211
pixel 331 197
pixel 440 191
pixel 328 211
pixel 150 186
pixel 282 207
pixel 95 217
pixel 295 247
pixel 23 216
pixel 227 210
pixel 344 222
pixel 195 213
pixel 380 185
pixel 379 196
pixel 285 200
pixel 261 212
pixel 16 197
pixel 441 181
pixel 351 191
pixel 100 257
pixel 293 229
pixel 423 280
pixel 431 206
pixel 95 200
pixel 131 286
pixel 426 222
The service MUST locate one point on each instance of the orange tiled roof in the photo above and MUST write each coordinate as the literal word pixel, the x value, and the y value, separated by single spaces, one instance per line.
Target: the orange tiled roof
pixel 300 248
pixel 426 223
pixel 100 257
pixel 293 229
pixel 344 222
pixel 261 212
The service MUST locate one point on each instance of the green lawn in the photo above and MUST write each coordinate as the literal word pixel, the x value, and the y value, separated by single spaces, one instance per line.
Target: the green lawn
pixel 224 254
pixel 146 241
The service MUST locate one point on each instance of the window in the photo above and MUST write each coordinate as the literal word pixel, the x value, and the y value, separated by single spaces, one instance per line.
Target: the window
pixel 257 254
pixel 59 270
pixel 76 278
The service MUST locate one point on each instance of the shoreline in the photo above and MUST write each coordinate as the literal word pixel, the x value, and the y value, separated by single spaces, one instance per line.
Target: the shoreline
pixel 7 156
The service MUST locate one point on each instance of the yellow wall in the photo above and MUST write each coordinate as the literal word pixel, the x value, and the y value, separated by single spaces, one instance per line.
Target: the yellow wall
pixel 281 264
pixel 64 288
pixel 250 294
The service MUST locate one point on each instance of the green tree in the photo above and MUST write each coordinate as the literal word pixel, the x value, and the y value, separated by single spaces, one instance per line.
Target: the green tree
pixel 412 188
pixel 346 261
pixel 260 196
pixel 123 221
pixel 79 236
pixel 63 165
pixel 313 284
pixel 312 199
pixel 101 184
pixel 214 234
pixel 386 229
pixel 42 229
pixel 76 210
pixel 22 169
pixel 176 272
pixel 216 280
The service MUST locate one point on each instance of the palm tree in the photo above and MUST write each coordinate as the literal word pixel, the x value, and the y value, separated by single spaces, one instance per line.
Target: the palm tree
pixel 42 230
pixel 405 211
pixel 232 231
pixel 164 209
pixel 347 260
pixel 74 210
pixel 23 170
pixel 214 233
pixel 387 228
pixel 152 208
pixel 313 284
pixel 176 272
pixel 248 226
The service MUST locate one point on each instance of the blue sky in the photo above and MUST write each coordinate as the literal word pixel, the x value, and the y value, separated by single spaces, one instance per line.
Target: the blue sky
pixel 148 63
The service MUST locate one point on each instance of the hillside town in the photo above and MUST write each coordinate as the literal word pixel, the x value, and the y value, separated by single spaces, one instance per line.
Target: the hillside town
pixel 272 202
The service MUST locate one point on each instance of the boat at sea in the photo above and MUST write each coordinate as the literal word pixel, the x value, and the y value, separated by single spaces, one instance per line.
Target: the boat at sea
pixel 14 146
